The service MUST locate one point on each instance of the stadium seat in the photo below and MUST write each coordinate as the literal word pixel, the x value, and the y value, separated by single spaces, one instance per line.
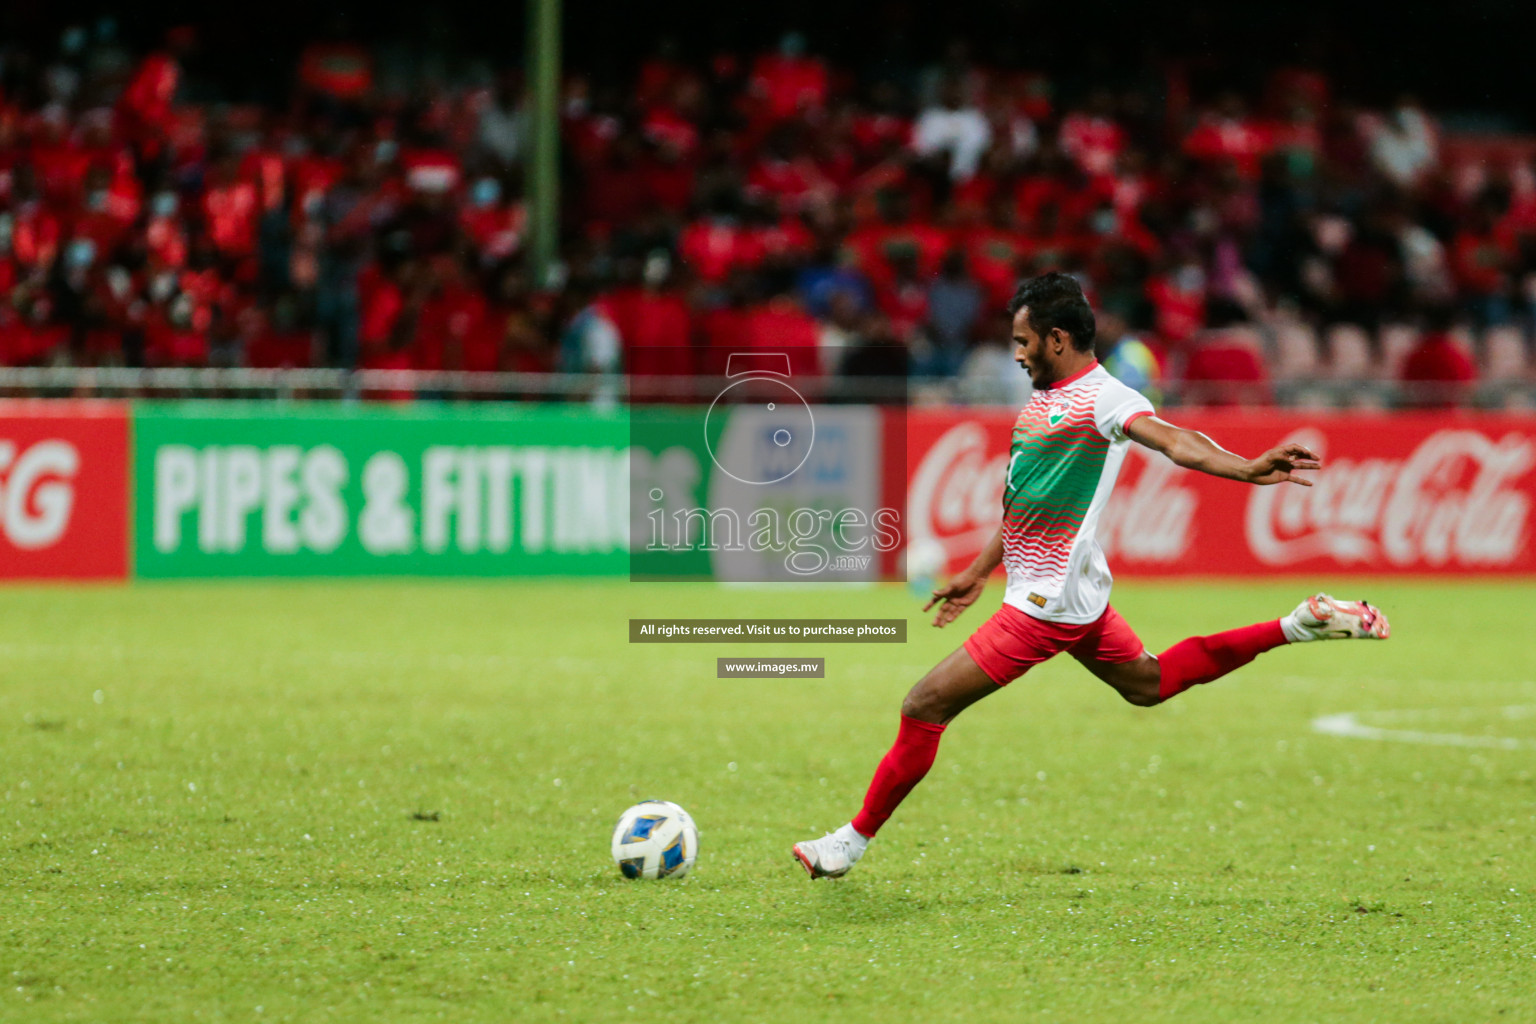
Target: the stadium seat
pixel 1349 353
pixel 1504 354
pixel 1296 352
pixel 1395 342
pixel 1226 368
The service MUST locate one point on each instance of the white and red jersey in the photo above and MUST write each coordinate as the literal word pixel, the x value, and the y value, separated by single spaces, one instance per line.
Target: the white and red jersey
pixel 1068 444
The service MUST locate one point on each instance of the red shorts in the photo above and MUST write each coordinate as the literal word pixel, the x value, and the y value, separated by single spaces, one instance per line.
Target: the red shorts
pixel 1011 643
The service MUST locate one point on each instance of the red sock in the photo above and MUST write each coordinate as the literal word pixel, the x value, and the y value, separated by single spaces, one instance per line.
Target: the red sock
pixel 903 767
pixel 1203 658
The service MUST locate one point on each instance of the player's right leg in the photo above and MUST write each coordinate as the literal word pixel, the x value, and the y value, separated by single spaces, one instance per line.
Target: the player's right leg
pixel 1110 649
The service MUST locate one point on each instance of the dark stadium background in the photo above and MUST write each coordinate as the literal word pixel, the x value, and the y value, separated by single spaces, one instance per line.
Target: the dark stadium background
pixel 1471 57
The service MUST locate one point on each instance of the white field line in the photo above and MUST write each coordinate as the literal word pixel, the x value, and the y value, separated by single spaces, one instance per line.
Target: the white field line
pixel 1348 724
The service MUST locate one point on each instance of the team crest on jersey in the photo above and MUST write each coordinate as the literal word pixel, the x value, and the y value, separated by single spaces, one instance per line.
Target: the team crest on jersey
pixel 1057 413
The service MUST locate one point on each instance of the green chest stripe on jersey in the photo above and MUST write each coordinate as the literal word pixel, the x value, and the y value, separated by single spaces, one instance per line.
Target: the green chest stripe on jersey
pixel 1053 472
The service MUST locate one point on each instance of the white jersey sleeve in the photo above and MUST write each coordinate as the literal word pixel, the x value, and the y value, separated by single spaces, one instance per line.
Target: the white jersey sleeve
pixel 1116 406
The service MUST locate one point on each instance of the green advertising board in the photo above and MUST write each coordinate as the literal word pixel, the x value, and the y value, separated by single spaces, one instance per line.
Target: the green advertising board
pixel 237 489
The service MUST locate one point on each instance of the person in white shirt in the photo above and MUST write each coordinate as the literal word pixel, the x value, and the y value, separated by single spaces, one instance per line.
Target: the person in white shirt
pixel 954 130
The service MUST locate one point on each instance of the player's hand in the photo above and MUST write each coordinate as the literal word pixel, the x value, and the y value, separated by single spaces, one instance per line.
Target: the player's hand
pixel 1279 465
pixel 955 597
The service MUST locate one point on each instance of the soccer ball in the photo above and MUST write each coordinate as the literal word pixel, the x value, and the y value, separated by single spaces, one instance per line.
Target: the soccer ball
pixel 655 839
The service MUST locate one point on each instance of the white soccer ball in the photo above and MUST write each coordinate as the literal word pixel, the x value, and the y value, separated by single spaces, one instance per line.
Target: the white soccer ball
pixel 655 839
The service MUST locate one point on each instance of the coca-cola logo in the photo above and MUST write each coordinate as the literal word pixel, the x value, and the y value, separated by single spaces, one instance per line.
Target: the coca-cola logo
pixel 37 493
pixel 956 494
pixel 1150 517
pixel 1452 501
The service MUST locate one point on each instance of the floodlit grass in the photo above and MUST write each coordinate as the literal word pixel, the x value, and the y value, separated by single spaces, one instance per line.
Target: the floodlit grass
pixel 392 801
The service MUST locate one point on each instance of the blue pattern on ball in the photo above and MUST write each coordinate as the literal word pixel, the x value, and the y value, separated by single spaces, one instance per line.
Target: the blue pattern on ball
pixel 671 858
pixel 642 827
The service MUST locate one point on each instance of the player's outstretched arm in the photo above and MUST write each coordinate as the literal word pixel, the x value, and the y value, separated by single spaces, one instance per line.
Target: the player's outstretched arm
pixel 1193 450
pixel 962 591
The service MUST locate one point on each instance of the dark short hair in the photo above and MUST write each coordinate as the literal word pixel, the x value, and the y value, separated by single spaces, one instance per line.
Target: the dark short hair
pixel 1056 300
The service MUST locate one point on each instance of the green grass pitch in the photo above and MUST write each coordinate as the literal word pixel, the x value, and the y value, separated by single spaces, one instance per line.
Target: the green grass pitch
pixel 392 802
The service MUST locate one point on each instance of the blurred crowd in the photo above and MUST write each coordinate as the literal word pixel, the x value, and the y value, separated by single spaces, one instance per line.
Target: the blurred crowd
pixel 750 199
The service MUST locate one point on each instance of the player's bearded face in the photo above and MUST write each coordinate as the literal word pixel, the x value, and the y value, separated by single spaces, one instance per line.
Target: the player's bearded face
pixel 1029 349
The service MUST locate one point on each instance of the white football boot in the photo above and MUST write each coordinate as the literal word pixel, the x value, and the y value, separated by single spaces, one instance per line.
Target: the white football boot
pixel 832 855
pixel 1321 617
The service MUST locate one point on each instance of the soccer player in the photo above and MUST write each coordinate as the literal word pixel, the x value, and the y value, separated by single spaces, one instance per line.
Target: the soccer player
pixel 1068 443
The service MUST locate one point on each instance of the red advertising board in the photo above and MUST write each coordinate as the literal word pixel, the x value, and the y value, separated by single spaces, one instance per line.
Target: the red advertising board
pixel 1396 494
pixel 63 490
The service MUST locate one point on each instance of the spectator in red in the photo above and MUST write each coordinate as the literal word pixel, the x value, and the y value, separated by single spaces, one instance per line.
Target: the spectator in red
pixel 1438 373
pixel 450 317
pixel 1228 134
pixel 35 233
pixel 1177 295
pixel 995 251
pixel 780 324
pixel 654 322
pixel 60 164
pixel 669 178
pixel 616 192
pixel 1482 261
pixel 879 126
pixel 104 218
pixel 721 327
pixel 1053 180
pixel 786 173
pixel 339 70
pixel 27 337
pixel 145 105
pixel 275 341
pixel 898 235
pixel 1091 136
pixel 231 208
pixel 674 121
pixel 494 226
pixel 718 243
pixel 382 296
pixel 905 300
pixel 177 334
pixel 788 83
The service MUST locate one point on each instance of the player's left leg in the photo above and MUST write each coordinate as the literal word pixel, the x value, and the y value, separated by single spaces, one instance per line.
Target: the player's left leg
pixel 1005 647
pixel 950 687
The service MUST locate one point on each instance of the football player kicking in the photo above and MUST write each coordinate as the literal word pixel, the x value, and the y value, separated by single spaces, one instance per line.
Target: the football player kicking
pixel 1068 444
